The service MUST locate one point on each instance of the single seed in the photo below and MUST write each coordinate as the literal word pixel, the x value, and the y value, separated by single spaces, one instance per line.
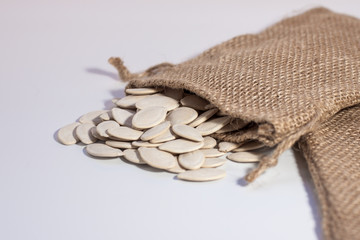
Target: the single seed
pixel 182 115
pixel 118 144
pixel 149 117
pixel 157 158
pixel 92 117
pixel 181 146
pixel 211 152
pixel 202 175
pixel 130 101
pixel 213 125
pixel 67 135
pixel 145 144
pixel 192 160
pixel 83 132
pixel 213 162
pixel 245 157
pixel 157 101
pixel 203 117
pixel 142 91
pixel 187 132
pixel 194 102
pixel 228 146
pixel 96 135
pixel 155 131
pixel 123 116
pixel 124 133
pixel 102 150
pixel 209 142
pixel 133 155
pixel 106 116
pixel 104 126
pixel 252 145
pixel 168 135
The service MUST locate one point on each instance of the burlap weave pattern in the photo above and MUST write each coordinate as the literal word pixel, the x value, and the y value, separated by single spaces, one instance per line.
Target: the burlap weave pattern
pixel 333 156
pixel 279 78
pixel 288 80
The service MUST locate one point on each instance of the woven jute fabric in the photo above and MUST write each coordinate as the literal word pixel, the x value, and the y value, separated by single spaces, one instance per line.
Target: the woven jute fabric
pixel 287 80
pixel 333 155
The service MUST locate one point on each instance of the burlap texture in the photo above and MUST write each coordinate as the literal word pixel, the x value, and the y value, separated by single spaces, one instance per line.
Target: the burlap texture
pixel 288 80
pixel 333 155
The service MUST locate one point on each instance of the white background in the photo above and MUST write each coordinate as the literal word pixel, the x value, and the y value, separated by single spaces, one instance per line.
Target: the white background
pixel 53 68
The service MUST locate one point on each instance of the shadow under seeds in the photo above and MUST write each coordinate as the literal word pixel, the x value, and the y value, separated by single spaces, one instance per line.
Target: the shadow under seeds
pixel 99 71
pixel 118 93
pixel 142 166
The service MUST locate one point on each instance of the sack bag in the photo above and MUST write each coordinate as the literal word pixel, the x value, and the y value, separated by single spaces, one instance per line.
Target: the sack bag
pixel 289 81
pixel 332 152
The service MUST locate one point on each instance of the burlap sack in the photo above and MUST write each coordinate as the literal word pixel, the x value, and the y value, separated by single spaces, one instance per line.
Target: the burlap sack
pixel 287 80
pixel 333 155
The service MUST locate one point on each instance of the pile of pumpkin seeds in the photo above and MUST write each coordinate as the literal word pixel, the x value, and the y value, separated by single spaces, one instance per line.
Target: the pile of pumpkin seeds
pixel 165 128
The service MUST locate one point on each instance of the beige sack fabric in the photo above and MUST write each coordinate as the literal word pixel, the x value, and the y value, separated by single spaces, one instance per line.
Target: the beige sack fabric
pixel 333 156
pixel 287 80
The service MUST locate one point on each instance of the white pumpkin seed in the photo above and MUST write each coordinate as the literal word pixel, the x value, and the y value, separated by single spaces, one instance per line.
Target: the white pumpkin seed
pixel 124 133
pixel 157 101
pixel 181 146
pixel 67 135
pixel 130 101
pixel 96 135
pixel 187 132
pixel 83 132
pixel 145 144
pixel 211 152
pixel 157 158
pixel 142 91
pixel 118 144
pixel 155 131
pixel 182 115
pixel 203 117
pixel 213 125
pixel 168 135
pixel 202 175
pixel 106 116
pixel 104 126
pixel 149 117
pixel 245 157
pixel 123 116
pixel 213 162
pixel 192 160
pixel 209 142
pixel 102 150
pixel 228 146
pixel 92 117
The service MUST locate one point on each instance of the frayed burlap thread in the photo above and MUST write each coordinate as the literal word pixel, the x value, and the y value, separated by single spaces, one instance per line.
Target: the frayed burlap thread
pixel 288 81
pixel 333 156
